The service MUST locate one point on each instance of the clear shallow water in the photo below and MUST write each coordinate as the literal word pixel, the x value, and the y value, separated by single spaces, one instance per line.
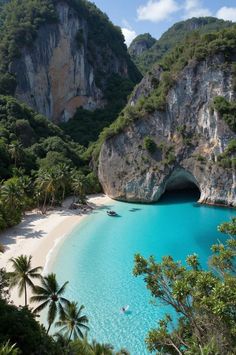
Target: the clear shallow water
pixel 97 259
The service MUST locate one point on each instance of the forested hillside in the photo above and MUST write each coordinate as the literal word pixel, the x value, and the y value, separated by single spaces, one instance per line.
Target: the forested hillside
pixel 39 161
pixel 173 37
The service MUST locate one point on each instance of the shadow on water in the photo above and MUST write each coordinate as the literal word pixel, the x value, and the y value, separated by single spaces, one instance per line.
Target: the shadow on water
pixel 115 216
pixel 128 313
pixel 135 209
pixel 180 196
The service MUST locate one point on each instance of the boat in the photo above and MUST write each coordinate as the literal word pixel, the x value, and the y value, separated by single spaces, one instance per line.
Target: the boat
pixel 124 309
pixel 112 213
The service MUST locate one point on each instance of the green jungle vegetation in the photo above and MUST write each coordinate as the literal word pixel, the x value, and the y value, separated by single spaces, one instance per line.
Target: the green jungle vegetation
pixel 41 163
pixel 227 111
pixel 86 126
pixel 203 299
pixel 173 36
pixel 196 48
pixel 20 20
pixel 227 159
pixel 22 334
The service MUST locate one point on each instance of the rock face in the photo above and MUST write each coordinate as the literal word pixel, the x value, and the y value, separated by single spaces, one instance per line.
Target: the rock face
pixel 56 75
pixel 189 136
pixel 140 44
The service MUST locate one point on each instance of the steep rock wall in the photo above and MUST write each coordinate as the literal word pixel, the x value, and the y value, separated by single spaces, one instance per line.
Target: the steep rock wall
pixel 56 75
pixel 127 171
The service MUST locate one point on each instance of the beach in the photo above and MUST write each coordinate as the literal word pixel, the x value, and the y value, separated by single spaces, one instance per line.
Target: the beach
pixel 38 235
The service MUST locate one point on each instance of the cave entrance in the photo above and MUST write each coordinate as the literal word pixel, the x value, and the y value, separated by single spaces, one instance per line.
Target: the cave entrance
pixel 181 185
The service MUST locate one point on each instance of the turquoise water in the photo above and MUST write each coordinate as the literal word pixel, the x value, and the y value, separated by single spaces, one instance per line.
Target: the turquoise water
pixel 97 259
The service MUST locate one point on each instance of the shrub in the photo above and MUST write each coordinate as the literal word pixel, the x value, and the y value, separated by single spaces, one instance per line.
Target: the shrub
pixel 227 111
pixel 149 145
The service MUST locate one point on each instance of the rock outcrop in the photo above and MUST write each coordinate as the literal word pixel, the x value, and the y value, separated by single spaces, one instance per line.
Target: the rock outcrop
pixel 189 136
pixel 59 72
pixel 140 44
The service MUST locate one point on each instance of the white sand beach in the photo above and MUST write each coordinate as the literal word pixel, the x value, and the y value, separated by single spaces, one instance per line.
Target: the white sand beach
pixel 38 234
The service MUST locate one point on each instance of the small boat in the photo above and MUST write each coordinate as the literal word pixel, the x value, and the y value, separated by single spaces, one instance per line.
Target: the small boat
pixel 112 213
pixel 124 309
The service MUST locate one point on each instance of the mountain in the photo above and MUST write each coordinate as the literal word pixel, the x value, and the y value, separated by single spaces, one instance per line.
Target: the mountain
pixel 57 56
pixel 179 128
pixel 146 58
pixel 140 44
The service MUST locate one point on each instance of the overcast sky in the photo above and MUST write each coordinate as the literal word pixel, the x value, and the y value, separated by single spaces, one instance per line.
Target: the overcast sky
pixel 156 16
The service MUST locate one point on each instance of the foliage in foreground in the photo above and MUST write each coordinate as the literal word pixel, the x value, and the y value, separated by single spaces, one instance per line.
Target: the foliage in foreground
pixel 21 333
pixel 204 300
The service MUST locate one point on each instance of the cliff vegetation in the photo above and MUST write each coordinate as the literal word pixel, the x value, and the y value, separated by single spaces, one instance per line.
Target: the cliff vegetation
pixel 195 48
pixel 174 36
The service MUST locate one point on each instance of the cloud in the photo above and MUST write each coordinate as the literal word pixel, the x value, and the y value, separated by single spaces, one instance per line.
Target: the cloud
pixel 194 8
pixel 227 13
pixel 157 10
pixel 129 35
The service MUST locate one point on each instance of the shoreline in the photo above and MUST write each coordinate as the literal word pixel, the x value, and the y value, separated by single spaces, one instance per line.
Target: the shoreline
pixel 41 235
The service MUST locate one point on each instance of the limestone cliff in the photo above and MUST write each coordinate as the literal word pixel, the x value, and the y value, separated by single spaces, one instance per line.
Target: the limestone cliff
pixel 65 68
pixel 189 136
pixel 140 44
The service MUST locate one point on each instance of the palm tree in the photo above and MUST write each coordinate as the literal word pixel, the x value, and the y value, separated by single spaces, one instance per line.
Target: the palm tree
pixel 100 349
pixel 23 273
pixel 47 185
pixel 72 321
pixel 15 150
pixel 50 294
pixel 78 186
pixel 82 346
pixel 12 193
pixel 63 177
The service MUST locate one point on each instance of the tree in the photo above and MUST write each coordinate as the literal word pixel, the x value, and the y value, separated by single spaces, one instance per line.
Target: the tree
pixel 19 326
pixel 51 295
pixel 82 346
pixel 7 349
pixel 149 145
pixel 46 183
pixel 63 178
pixel 12 193
pixel 23 273
pixel 72 322
pixel 16 151
pixel 79 186
pixel 204 300
pixel 4 284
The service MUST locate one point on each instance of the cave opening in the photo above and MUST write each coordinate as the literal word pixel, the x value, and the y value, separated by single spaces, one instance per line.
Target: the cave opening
pixel 181 185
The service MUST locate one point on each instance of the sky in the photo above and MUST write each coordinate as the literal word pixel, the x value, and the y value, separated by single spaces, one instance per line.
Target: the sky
pixel 156 16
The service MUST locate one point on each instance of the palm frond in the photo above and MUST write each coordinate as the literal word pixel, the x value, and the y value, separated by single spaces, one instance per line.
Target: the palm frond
pixel 64 301
pixel 38 290
pixel 41 307
pixel 62 289
pixel 52 312
pixel 35 270
pixel 39 298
